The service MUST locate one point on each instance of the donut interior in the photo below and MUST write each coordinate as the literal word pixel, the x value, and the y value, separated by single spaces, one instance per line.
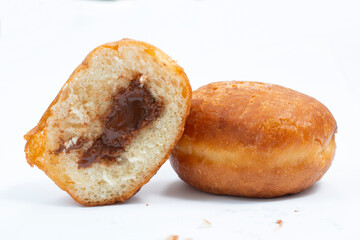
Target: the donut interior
pixel 113 124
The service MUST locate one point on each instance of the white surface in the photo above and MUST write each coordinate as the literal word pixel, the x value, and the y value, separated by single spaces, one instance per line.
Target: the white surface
pixel 310 46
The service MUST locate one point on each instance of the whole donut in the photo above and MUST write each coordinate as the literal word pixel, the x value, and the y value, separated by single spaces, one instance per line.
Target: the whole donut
pixel 254 139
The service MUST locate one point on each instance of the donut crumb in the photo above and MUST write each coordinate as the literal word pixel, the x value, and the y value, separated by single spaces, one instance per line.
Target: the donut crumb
pixel 206 223
pixel 279 222
pixel 172 237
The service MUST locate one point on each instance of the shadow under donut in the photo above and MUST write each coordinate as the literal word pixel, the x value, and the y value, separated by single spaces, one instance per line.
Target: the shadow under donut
pixel 181 190
pixel 45 193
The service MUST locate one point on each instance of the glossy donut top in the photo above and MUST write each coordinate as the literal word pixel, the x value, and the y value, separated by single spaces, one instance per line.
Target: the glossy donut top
pixel 253 114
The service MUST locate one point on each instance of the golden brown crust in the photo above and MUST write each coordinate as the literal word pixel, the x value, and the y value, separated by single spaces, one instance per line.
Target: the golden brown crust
pixel 254 139
pixel 35 146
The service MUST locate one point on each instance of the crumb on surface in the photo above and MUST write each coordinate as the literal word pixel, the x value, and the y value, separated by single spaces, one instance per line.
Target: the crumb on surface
pixel 206 223
pixel 172 237
pixel 279 222
pixel 147 204
pixel 296 210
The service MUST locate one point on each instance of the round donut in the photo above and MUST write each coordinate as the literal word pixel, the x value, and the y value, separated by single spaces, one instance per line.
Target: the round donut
pixel 113 123
pixel 254 139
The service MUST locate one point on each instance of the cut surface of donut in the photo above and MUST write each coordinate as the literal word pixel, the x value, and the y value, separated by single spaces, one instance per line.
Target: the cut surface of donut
pixel 113 124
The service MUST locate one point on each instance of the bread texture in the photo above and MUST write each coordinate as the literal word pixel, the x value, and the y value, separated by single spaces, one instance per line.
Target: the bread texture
pixel 75 120
pixel 254 139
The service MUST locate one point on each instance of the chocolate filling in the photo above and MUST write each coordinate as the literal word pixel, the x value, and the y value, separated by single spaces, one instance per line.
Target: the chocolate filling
pixel 79 143
pixel 132 109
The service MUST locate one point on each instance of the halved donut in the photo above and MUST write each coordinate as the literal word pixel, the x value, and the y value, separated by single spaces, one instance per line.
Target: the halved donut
pixel 113 123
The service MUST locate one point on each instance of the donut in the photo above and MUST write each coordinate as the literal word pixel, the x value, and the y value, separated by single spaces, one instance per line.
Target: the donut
pixel 254 139
pixel 113 123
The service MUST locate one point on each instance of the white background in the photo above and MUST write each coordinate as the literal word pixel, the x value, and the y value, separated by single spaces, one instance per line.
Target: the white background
pixel 309 46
